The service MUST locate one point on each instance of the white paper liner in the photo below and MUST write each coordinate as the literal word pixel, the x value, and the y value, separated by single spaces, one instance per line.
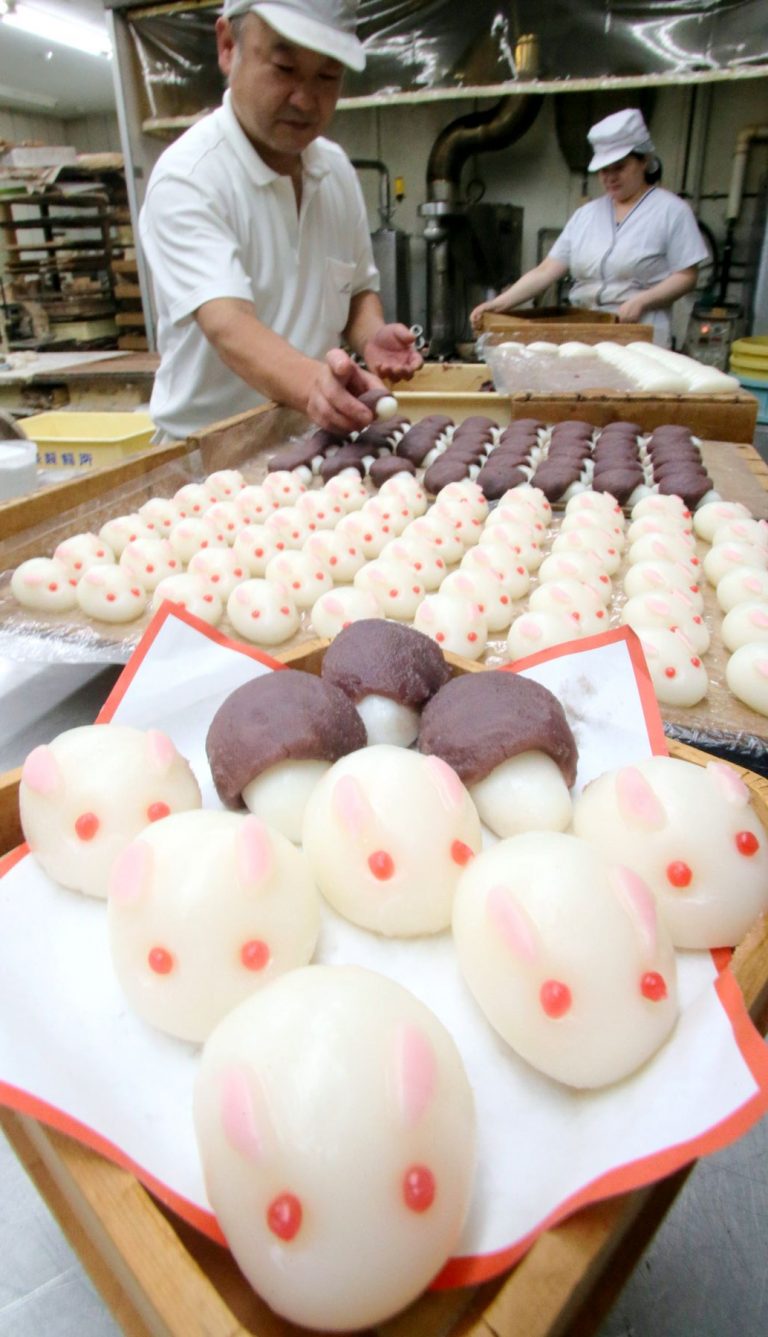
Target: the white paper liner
pixel 69 1039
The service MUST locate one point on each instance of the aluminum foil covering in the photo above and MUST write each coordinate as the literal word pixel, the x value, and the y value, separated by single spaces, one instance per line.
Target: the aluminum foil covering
pixel 720 723
pixel 427 48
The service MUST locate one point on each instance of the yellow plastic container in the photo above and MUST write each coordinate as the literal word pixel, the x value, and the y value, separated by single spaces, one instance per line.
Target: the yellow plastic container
pixel 87 440
pixel 750 356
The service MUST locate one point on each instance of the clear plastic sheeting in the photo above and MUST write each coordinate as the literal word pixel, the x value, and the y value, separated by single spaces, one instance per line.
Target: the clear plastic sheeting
pixel 428 48
pixel 538 370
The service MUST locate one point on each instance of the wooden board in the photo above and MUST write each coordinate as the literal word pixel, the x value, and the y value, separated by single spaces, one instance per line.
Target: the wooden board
pixel 562 330
pixel 454 387
pixel 159 1276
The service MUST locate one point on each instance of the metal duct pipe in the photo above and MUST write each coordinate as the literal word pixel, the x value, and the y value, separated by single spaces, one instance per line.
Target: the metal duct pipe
pixel 478 132
pixel 751 134
pixel 385 185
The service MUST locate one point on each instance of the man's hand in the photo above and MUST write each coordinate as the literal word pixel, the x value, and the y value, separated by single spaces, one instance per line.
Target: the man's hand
pixel 391 352
pixel 332 398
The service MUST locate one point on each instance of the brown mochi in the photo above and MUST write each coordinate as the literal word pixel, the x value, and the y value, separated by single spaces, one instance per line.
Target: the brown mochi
pixel 447 469
pixel 280 716
pixel 386 466
pixel 374 656
pixel 496 478
pixel 479 720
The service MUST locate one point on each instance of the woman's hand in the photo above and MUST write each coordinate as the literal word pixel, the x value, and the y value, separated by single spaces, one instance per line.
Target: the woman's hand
pixel 633 309
pixel 392 352
pixel 476 316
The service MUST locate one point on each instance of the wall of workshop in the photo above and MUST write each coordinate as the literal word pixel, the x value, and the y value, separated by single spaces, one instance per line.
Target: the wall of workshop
pixel 533 173
pixel 88 134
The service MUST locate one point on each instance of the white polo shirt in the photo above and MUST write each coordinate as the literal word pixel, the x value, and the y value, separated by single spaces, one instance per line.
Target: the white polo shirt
pixel 611 262
pixel 217 222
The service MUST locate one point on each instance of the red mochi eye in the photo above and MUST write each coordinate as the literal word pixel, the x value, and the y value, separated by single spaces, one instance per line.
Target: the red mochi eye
pixel 254 954
pixel 555 998
pixel 156 811
pixel 747 843
pixel 160 961
pixel 679 874
pixel 653 986
pixel 381 864
pixel 419 1188
pixel 87 825
pixel 284 1216
pixel 461 853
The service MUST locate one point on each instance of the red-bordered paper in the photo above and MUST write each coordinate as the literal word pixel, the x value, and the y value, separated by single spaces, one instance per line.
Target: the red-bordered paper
pixel 74 1056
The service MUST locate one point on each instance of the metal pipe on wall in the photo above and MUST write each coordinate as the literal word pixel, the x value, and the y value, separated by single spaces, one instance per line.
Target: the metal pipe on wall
pixel 746 138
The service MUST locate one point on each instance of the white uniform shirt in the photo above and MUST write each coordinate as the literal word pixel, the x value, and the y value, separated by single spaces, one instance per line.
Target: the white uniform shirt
pixel 217 222
pixel 612 261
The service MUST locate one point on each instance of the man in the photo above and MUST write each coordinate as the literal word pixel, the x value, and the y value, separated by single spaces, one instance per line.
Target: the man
pixel 255 230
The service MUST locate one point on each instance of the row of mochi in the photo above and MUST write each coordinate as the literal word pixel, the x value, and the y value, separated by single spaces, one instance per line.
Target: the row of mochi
pixel 669 618
pixel 483 593
pixel 294 557
pixel 561 459
pixel 396 555
pixel 111 575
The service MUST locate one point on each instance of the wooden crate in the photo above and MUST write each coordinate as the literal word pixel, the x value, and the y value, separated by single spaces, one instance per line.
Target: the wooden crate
pixel 454 387
pixel 159 1276
pixel 588 328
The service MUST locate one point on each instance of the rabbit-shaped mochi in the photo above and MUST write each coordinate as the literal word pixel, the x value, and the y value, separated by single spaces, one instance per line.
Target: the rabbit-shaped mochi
pixel 337 1133
pixel 84 797
pixel 204 909
pixel 567 956
pixel 689 831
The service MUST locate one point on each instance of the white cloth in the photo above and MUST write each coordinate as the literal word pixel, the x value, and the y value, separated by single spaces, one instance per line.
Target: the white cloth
pixel 217 222
pixel 611 262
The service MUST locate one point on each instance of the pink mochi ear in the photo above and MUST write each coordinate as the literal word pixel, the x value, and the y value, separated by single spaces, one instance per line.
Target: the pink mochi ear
pixel 254 853
pixel 639 901
pixel 447 782
pixel 40 772
pixel 417 1074
pixel 238 1115
pixel 511 923
pixel 334 606
pixel 161 751
pixel 351 806
pixel 637 802
pixel 131 875
pixel 464 584
pixel 729 783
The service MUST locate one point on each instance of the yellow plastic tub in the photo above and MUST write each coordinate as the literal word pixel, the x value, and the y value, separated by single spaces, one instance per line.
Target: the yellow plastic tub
pixel 750 355
pixel 87 440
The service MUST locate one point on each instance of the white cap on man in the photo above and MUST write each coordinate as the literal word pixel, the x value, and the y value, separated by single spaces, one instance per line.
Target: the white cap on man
pixel 617 135
pixel 325 26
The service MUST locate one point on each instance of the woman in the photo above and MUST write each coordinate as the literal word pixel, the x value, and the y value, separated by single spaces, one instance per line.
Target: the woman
pixel 633 251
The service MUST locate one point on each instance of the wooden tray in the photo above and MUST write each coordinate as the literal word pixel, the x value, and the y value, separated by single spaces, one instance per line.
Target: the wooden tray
pixel 454 387
pixel 533 325
pixel 159 1276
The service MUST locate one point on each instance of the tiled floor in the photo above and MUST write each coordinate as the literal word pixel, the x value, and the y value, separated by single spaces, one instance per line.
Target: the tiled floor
pixel 704 1275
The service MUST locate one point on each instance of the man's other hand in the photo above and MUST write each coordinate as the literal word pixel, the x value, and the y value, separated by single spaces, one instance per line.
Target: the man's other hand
pixel 392 352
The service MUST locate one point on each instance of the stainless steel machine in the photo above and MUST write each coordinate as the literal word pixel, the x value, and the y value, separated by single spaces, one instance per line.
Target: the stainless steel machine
pixel 391 249
pixel 473 248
